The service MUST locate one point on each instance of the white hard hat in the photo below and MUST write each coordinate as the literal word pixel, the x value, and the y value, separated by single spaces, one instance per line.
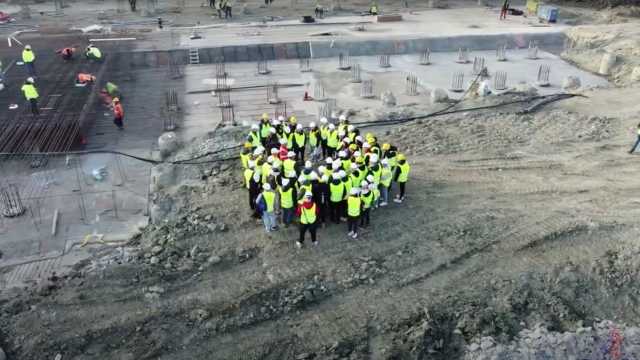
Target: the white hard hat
pixel 335 165
pixel 323 120
pixel 291 174
pixel 342 117
pixel 28 47
pixel 280 118
pixel 251 164
pixel 370 178
pixel 365 189
pixel 272 130
pixel 329 160
pixel 301 179
pixel 355 191
pixel 366 145
pixel 372 186
pixel 299 127
pixel 308 164
pixel 270 159
pixel 332 127
pixel 254 127
pixel 359 138
pixel 343 173
pixel 266 186
pixel 30 80
pixel 341 133
pixel 312 125
pixel 257 152
pixel 260 148
pixel 291 154
pixel 324 178
pixel 256 177
pixel 274 151
pixel 373 158
pixel 350 128
pixel 364 184
pixel 287 130
pixel 275 122
pixel 347 140
pixel 313 175
pixel 336 176
pixel 357 154
pixel 322 169
pixel 354 166
pixel 308 194
pixel 342 153
pixel 385 162
pixel 285 182
pixel 282 141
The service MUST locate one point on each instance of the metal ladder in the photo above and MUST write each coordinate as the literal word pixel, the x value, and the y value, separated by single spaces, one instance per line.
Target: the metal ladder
pixel 194 57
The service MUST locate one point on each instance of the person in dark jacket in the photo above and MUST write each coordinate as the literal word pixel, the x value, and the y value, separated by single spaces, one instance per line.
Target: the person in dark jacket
pixel 255 187
pixel 321 197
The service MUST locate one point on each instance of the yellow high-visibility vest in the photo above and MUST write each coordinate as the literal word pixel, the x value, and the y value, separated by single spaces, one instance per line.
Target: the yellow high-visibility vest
pixel 353 206
pixel 270 199
pixel 30 91
pixel 244 159
pixel 286 198
pixel 336 192
pixel 248 174
pixel 386 177
pixel 288 165
pixel 313 138
pixel 332 139
pixel 367 199
pixel 404 172
pixel 28 56
pixel 300 139
pixel 308 216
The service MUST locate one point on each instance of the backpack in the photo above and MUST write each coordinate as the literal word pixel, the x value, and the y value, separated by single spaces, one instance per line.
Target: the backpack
pixel 261 205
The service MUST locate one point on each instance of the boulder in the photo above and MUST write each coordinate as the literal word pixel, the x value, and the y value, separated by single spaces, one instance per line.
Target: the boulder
pixel 168 143
pixel 439 95
pixel 571 83
pixel 388 99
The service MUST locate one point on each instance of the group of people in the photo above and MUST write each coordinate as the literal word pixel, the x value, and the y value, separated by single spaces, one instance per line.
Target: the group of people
pixel 92 53
pixel 223 7
pixel 346 174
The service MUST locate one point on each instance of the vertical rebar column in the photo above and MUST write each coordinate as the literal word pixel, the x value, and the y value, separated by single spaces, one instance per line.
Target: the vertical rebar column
pixel 478 65
pixel 411 85
pixel 228 115
pixel 172 110
pixel 10 201
pixel 543 75
pixel 221 70
pixel 463 56
pixel 263 67
pixel 355 73
pixel 500 80
pixel 305 65
pixel 425 57
pixel 457 82
pixel 174 72
pixel 383 61
pixel 366 89
pixel 272 93
pixel 344 61
pixel 501 53
pixel 532 51
pixel 222 83
pixel 318 92
pixel 281 110
pixel 224 97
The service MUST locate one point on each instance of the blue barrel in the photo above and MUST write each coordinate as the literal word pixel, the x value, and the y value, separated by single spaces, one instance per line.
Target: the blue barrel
pixel 548 13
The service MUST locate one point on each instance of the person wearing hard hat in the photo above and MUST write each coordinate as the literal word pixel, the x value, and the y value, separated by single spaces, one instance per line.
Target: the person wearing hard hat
pixel 289 164
pixel 31 94
pixel 84 78
pixel 245 155
pixel 320 188
pixel 308 212
pixel 313 138
pixel 373 10
pixel 288 196
pixel 255 186
pixel 254 136
pixel 354 209
pixel 385 182
pixel 266 201
pixel 66 53
pixel 93 53
pixel 332 140
pixel 336 196
pixel 118 114
pixel 299 142
pixel 264 126
pixel 401 176
pixel 29 60
pixel 324 133
pixel 367 202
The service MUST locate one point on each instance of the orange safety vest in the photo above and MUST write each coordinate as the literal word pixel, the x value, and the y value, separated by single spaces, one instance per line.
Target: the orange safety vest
pixel 83 78
pixel 118 111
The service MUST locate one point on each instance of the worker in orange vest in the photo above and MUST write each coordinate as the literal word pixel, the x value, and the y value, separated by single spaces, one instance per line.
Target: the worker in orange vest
pixel 118 113
pixel 84 78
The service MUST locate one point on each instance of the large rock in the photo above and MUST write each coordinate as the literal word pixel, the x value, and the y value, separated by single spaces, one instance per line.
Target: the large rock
pixel 526 88
pixel 607 62
pixel 388 99
pixel 571 83
pixel 162 176
pixel 635 74
pixel 439 95
pixel 168 143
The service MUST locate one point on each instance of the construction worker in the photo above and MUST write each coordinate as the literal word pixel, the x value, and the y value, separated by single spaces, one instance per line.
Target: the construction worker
pixel 367 202
pixel 401 177
pixel 324 132
pixel 226 7
pixel 254 136
pixel 313 138
pixel 332 140
pixel 320 192
pixel 336 196
pixel 245 155
pixel 308 212
pixel 385 182
pixel 66 53
pixel 264 126
pixel 247 176
pixel 93 53
pixel 289 164
pixel 319 10
pixel 84 79
pixel 373 10
pixel 299 142
pixel 112 90
pixel 354 209
pixel 267 202
pixel 637 140
pixel 255 185
pixel 132 4
pixel 31 94
pixel 118 114
pixel 287 193
pixel 504 9
pixel 29 60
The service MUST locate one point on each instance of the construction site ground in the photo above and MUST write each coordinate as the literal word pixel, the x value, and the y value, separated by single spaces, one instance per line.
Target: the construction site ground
pixel 512 222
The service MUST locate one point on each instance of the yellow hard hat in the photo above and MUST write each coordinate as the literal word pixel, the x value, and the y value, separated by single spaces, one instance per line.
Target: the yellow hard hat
pixel 386 146
pixel 247 145
pixel 353 147
pixel 293 119
pixel 265 116
pixel 360 160
pixel 401 157
pixel 371 140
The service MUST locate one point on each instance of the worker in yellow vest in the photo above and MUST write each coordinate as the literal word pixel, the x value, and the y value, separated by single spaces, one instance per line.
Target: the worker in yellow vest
pixel 401 176
pixel 313 138
pixel 245 155
pixel 93 53
pixel 287 193
pixel 367 202
pixel 324 133
pixel 31 94
pixel 385 182
pixel 29 60
pixel 308 212
pixel 299 142
pixel 332 140
pixel 354 209
pixel 336 196
pixel 373 10
pixel 267 202
pixel 254 136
